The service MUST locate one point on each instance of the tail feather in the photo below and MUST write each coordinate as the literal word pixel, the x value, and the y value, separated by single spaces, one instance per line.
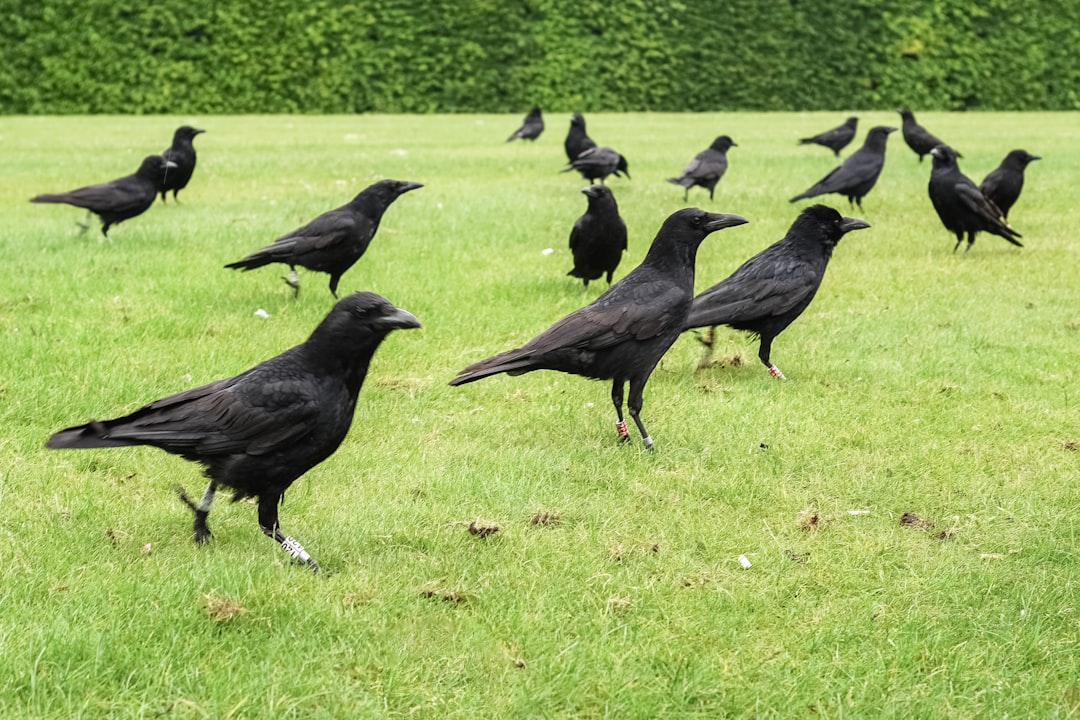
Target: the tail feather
pixel 93 434
pixel 50 198
pixel 278 252
pixel 683 181
pixel 512 362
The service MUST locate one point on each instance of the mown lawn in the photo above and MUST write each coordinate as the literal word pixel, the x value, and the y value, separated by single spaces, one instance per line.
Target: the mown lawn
pixel 920 381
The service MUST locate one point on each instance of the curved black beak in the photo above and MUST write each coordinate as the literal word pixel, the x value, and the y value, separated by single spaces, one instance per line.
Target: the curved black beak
pixel 719 221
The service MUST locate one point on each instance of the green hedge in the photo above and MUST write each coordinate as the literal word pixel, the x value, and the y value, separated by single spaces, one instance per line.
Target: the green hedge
pixel 322 56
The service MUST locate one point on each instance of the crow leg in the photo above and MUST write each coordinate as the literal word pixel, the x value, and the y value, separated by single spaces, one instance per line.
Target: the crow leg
pixel 293 280
pixel 959 239
pixel 163 195
pixel 686 194
pixel 333 285
pixel 202 532
pixel 617 401
pixel 634 404
pixel 707 341
pixel 971 241
pixel 268 522
pixel 764 352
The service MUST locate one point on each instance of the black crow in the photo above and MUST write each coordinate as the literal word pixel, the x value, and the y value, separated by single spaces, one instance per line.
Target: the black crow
pixel 1003 185
pixel 531 128
pixel 181 152
pixel 961 206
pixel 707 167
pixel 857 175
pixel 577 141
pixel 599 162
pixel 258 432
pixel 334 241
pixel 770 290
pixel 837 138
pixel 622 335
pixel 598 238
pixel 916 136
pixel 120 199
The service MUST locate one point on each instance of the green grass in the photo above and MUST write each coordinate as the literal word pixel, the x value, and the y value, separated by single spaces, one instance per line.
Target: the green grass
pixel 919 381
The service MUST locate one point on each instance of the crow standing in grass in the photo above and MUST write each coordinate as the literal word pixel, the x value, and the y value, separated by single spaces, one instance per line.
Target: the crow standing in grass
pixel 961 206
pixel 531 128
pixel 120 199
pixel 599 162
pixel 857 175
pixel 770 290
pixel 837 138
pixel 181 152
pixel 707 167
pixel 598 238
pixel 916 136
pixel 258 432
pixel 577 140
pixel 1003 185
pixel 334 241
pixel 622 335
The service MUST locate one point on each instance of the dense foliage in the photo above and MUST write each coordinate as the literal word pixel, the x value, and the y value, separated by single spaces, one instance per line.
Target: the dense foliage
pixel 390 56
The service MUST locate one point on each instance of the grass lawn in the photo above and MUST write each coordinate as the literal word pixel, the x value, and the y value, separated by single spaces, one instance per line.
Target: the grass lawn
pixel 920 381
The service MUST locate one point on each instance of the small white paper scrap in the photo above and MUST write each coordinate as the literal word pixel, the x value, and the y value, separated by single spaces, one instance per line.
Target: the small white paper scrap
pixel 262 313
pixel 745 562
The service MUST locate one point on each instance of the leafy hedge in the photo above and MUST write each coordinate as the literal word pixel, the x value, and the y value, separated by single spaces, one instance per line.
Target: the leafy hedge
pixel 326 56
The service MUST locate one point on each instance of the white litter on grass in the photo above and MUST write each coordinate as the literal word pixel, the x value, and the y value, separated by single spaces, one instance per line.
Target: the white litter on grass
pixel 262 313
pixel 547 251
pixel 745 562
pixel 858 512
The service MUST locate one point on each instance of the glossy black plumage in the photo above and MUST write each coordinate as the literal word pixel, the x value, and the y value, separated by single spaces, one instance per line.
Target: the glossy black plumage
pixel 621 335
pixel 835 139
pixel 181 152
pixel 530 128
pixel 259 431
pixel 916 136
pixel 335 240
pixel 598 238
pixel 577 140
pixel 962 207
pixel 858 174
pixel 599 162
pixel 1003 185
pixel 117 200
pixel 770 290
pixel 707 167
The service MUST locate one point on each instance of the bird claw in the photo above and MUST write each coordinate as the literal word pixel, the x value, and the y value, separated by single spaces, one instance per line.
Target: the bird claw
pixel 293 281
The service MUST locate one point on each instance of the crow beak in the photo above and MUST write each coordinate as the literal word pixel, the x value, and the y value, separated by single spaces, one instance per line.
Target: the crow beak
pixel 852 223
pixel 1034 157
pixel 592 190
pixel 890 130
pixel 407 186
pixel 936 151
pixel 198 132
pixel 399 320
pixel 719 221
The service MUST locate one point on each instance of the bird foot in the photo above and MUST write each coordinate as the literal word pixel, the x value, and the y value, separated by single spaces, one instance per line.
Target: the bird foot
pixel 293 281
pixel 297 552
pixel 648 442
pixel 775 372
pixel 624 433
